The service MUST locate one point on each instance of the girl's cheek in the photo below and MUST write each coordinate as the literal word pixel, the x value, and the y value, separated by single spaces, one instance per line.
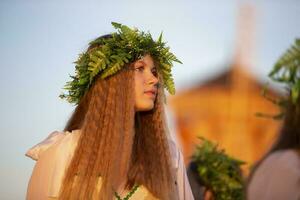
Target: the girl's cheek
pixel 140 78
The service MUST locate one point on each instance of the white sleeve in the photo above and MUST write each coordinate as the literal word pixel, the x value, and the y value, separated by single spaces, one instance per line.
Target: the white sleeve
pixel 278 177
pixel 36 151
pixel 52 156
pixel 184 188
pixel 45 156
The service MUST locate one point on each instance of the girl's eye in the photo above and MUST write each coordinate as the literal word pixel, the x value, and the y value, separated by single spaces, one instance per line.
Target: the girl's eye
pixel 140 69
pixel 154 72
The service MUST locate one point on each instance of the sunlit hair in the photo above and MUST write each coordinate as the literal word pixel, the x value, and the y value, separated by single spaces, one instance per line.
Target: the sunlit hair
pixel 118 144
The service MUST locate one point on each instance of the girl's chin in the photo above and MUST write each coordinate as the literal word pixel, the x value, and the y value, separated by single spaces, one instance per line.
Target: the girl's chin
pixel 146 106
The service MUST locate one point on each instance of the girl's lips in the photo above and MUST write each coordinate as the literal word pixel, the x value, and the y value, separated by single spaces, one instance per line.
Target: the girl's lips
pixel 149 93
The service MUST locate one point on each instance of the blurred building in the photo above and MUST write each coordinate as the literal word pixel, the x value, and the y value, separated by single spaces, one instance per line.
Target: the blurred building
pixel 223 108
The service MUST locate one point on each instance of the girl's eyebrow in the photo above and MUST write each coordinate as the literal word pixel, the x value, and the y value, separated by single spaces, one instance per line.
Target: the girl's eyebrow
pixel 142 62
pixel 154 67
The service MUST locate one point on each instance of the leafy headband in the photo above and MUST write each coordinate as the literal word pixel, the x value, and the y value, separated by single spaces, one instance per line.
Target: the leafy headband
pixel 286 71
pixel 112 53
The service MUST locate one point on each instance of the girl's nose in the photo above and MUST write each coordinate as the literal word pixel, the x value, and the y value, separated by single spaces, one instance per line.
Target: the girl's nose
pixel 153 79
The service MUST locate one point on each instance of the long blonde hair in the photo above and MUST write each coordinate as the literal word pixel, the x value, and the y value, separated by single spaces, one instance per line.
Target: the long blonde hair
pixel 118 144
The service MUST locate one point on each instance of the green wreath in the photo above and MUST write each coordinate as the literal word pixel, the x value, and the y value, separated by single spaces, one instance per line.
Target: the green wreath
pixel 110 56
pixel 285 71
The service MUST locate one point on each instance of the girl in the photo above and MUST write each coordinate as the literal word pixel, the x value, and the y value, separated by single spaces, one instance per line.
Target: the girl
pixel 277 175
pixel 116 144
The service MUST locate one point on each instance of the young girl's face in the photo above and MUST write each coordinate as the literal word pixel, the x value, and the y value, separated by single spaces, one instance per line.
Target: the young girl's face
pixel 146 83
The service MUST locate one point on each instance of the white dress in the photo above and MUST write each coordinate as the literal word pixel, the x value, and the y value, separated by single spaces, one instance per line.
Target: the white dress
pixel 53 155
pixel 277 178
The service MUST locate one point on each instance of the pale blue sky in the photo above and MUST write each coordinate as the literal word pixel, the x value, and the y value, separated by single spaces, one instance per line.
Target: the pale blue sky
pixel 40 40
